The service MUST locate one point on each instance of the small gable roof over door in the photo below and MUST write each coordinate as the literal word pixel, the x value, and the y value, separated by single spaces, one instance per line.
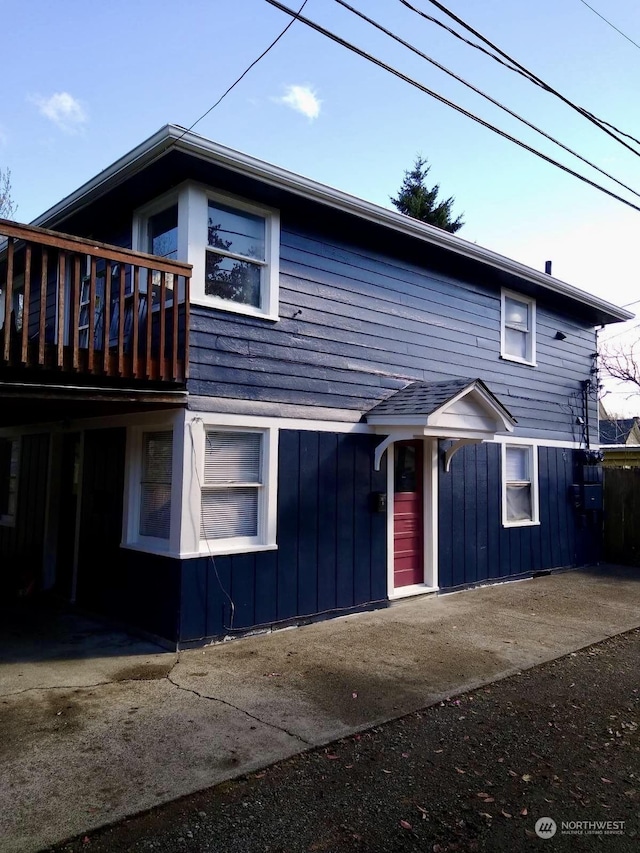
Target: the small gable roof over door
pixel 455 408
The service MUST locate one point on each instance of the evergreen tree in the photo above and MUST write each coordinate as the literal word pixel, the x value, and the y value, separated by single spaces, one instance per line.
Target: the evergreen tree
pixel 416 199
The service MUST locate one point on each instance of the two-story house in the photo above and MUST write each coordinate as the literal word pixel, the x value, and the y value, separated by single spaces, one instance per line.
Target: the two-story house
pixel 233 398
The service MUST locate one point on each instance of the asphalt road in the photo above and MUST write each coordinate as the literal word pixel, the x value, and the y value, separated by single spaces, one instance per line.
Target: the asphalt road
pixel 474 773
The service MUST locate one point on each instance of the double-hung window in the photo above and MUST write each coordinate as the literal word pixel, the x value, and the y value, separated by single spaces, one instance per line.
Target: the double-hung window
pixel 519 485
pixel 9 463
pixel 155 484
pixel 518 328
pixel 241 256
pixel 233 489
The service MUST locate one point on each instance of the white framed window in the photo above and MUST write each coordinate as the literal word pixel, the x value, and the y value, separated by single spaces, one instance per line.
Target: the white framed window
pixel 520 502
pixel 151 498
pixel 518 328
pixel 155 484
pixel 233 245
pixel 9 468
pixel 238 489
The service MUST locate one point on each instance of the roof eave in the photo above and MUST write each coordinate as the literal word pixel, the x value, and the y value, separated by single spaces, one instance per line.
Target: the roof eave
pixel 193 143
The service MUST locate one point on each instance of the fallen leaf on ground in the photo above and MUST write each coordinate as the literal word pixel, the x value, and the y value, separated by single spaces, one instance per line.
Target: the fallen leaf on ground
pixel 524 812
pixel 332 757
pixel 506 814
pixel 608 781
pixel 458 770
pixel 405 824
pixel 354 695
pixel 527 777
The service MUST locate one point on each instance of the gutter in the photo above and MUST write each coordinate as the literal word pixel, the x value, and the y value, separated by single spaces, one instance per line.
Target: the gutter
pixel 173 136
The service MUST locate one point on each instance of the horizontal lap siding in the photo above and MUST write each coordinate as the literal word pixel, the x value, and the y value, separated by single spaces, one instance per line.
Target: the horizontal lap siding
pixel 357 325
pixel 473 544
pixel 21 546
pixel 331 547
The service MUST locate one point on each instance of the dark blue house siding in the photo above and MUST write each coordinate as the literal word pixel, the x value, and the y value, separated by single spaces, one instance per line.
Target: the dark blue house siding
pixel 473 544
pixel 355 324
pixel 331 546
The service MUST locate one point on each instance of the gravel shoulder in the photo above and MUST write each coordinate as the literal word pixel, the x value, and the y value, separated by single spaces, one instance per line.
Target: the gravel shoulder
pixel 473 773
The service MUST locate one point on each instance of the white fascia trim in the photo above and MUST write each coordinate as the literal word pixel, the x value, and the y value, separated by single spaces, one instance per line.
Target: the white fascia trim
pixel 236 161
pixel 536 442
pixel 263 422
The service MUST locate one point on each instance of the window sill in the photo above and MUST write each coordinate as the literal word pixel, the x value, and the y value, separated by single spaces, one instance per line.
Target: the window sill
pixel 521 524
pixel 233 308
pixel 517 360
pixel 213 550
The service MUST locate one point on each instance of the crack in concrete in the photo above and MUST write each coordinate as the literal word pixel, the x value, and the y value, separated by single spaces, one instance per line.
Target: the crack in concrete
pixel 171 681
pixel 236 708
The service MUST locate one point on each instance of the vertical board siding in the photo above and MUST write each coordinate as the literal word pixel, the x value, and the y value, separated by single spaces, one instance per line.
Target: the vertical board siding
pixel 331 546
pixel 474 546
pixel 21 545
pixel 355 324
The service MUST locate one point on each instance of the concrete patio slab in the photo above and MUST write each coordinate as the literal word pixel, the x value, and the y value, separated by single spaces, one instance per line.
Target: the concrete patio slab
pixel 93 731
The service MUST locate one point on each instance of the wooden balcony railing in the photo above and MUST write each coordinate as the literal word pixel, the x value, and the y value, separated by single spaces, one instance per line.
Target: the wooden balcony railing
pixel 76 306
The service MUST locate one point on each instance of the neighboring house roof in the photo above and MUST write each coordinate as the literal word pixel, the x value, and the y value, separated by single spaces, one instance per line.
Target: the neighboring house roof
pixel 177 138
pixel 620 431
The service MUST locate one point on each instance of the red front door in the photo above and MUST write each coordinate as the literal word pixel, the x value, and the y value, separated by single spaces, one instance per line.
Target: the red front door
pixel 408 523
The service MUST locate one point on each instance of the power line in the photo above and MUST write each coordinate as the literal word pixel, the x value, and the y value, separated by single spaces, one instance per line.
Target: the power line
pixel 534 78
pixel 245 72
pixel 613 26
pixel 487 97
pixel 360 52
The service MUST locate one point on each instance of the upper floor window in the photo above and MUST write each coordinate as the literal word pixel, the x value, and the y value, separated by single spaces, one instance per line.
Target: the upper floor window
pixel 518 328
pixel 232 244
pixel 241 256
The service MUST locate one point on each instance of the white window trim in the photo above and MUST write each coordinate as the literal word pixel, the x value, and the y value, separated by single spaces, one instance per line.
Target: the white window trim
pixel 7 520
pixel 132 538
pixel 532 331
pixel 535 492
pixel 267 495
pixel 193 200
pixel 198 203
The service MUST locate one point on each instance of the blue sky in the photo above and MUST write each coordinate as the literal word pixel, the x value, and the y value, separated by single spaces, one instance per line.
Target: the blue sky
pixel 86 85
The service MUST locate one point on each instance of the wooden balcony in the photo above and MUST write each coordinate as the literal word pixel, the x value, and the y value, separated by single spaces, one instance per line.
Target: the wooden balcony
pixel 73 308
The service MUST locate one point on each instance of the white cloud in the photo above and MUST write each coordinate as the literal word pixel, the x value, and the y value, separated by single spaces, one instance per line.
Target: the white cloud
pixel 63 110
pixel 303 100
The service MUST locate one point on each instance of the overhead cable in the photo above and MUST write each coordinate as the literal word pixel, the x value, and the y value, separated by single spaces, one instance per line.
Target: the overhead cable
pixel 613 26
pixel 360 52
pixel 245 72
pixel 482 94
pixel 604 126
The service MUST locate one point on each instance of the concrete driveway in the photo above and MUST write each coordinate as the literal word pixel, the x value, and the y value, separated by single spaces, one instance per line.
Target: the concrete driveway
pixel 96 725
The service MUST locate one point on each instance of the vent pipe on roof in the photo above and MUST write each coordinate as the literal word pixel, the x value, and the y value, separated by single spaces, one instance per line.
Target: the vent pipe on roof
pixel 547 267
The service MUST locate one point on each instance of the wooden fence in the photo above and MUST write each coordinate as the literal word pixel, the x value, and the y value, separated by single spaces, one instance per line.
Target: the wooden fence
pixel 622 516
